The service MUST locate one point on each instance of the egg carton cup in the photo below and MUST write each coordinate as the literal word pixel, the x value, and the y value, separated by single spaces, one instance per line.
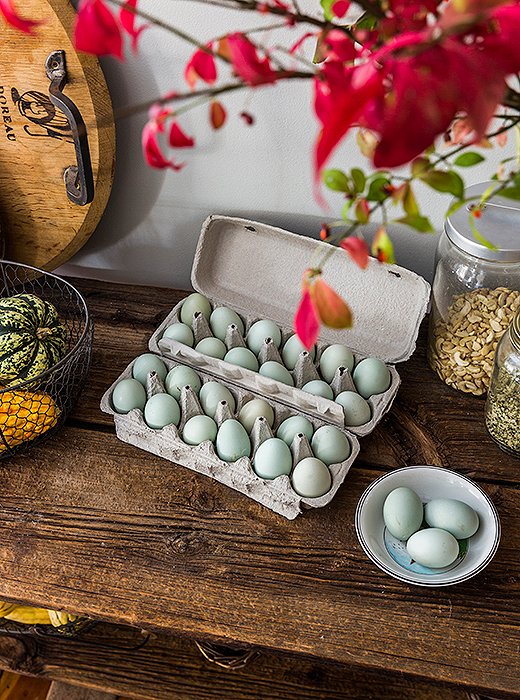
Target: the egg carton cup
pixel 276 494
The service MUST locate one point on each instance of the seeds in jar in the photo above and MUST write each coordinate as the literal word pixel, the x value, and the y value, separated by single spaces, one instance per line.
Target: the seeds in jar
pixel 503 409
pixel 464 343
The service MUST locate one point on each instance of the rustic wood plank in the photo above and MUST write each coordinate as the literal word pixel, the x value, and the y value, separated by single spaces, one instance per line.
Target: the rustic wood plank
pixel 65 691
pixel 168 668
pixel 121 535
pixel 16 687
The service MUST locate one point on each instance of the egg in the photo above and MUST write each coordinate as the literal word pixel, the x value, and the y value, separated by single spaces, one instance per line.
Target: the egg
pixel 356 409
pixel 402 512
pixel 243 358
pixel 261 330
pixel 311 478
pixel 221 319
pixel 292 351
pixel 179 377
pixel 127 395
pixel 433 547
pixel 213 347
pixel 195 303
pixel 275 370
pixel 371 376
pixel 148 363
pixel 181 333
pixel 161 410
pixel 292 426
pixel 232 441
pixel 199 429
pixel 252 410
pixel 211 394
pixel 318 388
pixel 273 458
pixel 330 445
pixel 452 515
pixel 333 357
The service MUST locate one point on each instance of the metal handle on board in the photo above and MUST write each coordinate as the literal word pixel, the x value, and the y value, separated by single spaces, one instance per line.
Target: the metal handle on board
pixel 79 180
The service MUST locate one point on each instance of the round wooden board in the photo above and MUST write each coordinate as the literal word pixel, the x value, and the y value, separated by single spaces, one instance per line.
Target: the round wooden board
pixel 39 224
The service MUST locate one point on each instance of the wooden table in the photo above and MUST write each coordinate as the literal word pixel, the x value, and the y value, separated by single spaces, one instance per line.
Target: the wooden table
pixel 95 526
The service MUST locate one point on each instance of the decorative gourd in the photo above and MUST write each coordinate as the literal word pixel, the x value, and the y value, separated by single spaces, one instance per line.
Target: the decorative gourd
pixel 32 339
pixel 24 416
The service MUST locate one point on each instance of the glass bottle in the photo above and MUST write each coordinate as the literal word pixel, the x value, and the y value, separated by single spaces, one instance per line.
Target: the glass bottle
pixel 503 402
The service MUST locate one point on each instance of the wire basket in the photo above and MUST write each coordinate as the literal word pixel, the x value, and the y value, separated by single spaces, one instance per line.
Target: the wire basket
pixel 32 410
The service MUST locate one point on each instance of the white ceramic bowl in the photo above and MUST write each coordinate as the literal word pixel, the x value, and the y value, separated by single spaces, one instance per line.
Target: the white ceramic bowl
pixel 428 482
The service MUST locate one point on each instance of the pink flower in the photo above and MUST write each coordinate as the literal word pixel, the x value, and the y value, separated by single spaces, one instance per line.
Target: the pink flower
pixel 96 30
pixel 306 321
pixel 201 65
pixel 127 18
pixel 178 139
pixel 330 308
pixel 11 16
pixel 246 62
pixel 151 149
pixel 357 249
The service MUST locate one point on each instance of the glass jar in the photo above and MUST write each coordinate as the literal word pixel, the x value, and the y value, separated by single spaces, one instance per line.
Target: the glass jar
pixel 503 402
pixel 475 291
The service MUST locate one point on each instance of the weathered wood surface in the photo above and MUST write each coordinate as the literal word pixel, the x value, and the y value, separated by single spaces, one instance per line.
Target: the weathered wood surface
pixel 95 526
pixel 168 668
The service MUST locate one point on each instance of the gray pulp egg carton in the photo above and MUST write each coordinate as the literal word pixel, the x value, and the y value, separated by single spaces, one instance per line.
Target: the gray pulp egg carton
pixel 277 494
pixel 257 271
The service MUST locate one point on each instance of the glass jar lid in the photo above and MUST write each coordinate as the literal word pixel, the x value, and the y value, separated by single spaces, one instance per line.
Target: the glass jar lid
pixel 499 224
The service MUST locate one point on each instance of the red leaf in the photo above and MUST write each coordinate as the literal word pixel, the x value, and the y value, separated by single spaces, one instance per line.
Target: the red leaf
pixel 152 151
pixel 357 249
pixel 300 41
pixel 201 65
pixel 217 114
pixel 340 8
pixel 248 118
pixel 332 310
pixel 178 139
pixel 96 30
pixel 306 321
pixel 12 17
pixel 339 47
pixel 246 63
pixel 127 18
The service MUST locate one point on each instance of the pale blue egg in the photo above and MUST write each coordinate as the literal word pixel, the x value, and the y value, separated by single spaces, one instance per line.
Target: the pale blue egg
pixel 127 395
pixel 273 458
pixel 292 426
pixel 356 409
pixel 243 358
pixel 333 357
pixel 433 547
pixel 148 363
pixel 252 410
pixel 211 394
pixel 179 377
pixel 199 429
pixel 292 350
pixel 319 388
pixel 275 370
pixel 452 515
pixel 232 441
pixel 371 376
pixel 311 478
pixel 221 319
pixel 181 333
pixel 161 410
pixel 402 512
pixel 213 347
pixel 258 333
pixel 195 303
pixel 330 445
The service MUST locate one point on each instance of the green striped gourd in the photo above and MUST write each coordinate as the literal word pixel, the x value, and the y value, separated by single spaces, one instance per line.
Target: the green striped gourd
pixel 32 339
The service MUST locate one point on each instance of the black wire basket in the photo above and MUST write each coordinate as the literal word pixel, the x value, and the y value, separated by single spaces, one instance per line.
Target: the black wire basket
pixel 34 409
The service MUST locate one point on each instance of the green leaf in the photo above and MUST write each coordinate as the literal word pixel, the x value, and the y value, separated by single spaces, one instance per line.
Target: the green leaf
pixel 466 160
pixel 444 181
pixel 418 222
pixel 480 238
pixel 346 209
pixel 420 166
pixel 409 202
pixel 362 211
pixel 366 21
pixel 510 192
pixel 327 9
pixel 359 179
pixel 376 190
pixel 336 180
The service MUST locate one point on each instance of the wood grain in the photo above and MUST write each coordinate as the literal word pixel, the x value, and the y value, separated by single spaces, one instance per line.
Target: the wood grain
pixel 41 226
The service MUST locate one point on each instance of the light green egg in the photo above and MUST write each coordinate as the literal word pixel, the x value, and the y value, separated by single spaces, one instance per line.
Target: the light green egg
pixel 402 512
pixel 311 478
pixel 181 333
pixel 213 347
pixel 148 363
pixel 127 395
pixel 243 358
pixel 275 370
pixel 356 409
pixel 371 376
pixel 273 458
pixel 292 351
pixel 333 357
pixel 330 445
pixel 292 426
pixel 452 515
pixel 261 330
pixel 161 410
pixel 221 319
pixel 179 377
pixel 211 394
pixel 199 429
pixel 232 441
pixel 251 410
pixel 319 388
pixel 433 547
pixel 192 304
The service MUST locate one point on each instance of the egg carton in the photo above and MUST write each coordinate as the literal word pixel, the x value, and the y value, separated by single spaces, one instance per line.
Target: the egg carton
pixel 276 494
pixel 256 270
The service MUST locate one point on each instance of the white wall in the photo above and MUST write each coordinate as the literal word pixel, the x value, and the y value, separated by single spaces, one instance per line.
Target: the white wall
pixel 149 231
